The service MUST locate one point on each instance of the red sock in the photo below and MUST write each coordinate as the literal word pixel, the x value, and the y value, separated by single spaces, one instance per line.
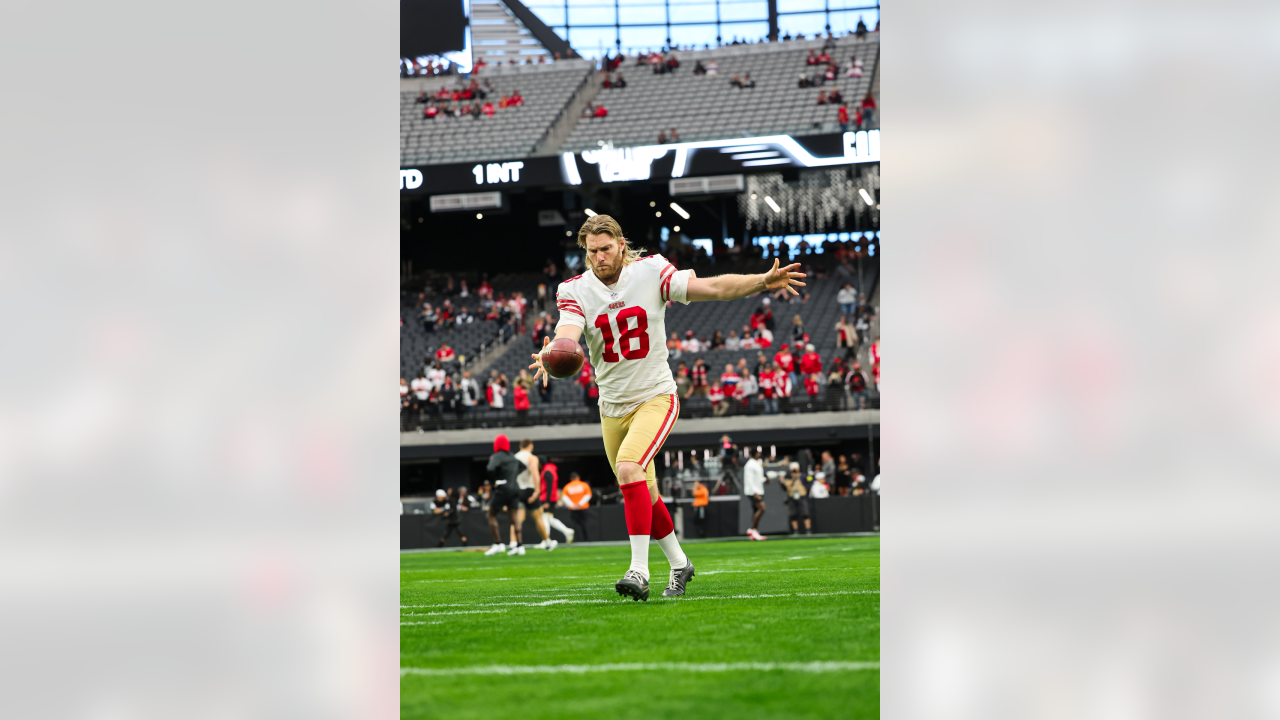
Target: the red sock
pixel 635 498
pixel 662 525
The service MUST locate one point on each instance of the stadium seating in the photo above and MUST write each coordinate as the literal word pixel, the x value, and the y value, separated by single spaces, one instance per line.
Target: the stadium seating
pixel 705 107
pixel 819 315
pixel 700 107
pixel 510 132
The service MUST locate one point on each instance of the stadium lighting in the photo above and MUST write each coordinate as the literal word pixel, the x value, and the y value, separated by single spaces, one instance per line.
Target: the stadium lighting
pixel 676 228
pixel 589 212
pixel 658 214
pixel 682 212
pixel 865 197
pixel 479 216
pixel 769 201
pixel 652 203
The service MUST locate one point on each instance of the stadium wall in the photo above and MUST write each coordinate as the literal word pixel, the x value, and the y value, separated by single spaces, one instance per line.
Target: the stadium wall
pixel 819 427
pixel 727 516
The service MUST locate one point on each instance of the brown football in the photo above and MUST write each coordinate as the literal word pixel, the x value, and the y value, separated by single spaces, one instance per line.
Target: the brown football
pixel 562 358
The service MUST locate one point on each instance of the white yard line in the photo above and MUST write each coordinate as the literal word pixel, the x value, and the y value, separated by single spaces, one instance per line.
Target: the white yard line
pixel 810 667
pixel 597 577
pixel 450 612
pixel 546 603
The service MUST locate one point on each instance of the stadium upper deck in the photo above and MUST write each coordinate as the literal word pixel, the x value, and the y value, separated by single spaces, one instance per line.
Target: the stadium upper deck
pixel 700 107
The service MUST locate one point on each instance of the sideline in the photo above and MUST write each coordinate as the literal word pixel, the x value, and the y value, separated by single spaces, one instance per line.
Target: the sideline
pixel 627 543
pixel 810 667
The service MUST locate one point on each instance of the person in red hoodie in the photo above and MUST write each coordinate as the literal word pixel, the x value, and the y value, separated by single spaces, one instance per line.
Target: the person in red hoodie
pixel 810 387
pixel 487 108
pixel 810 362
pixel 785 361
pixel 521 396
pixel 868 109
pixel 842 117
pixel 782 383
pixel 767 390
pixel 716 396
pixel 600 111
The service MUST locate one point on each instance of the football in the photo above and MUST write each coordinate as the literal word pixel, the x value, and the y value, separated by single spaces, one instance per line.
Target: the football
pixel 562 358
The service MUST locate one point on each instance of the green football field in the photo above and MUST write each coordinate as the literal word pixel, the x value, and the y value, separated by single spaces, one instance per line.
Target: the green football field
pixel 776 629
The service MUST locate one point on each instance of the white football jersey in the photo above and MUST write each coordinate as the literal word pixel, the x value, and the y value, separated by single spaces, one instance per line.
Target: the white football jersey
pixel 524 480
pixel 625 327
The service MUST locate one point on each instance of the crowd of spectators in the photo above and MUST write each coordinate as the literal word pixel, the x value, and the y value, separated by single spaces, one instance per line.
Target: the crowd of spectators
pixel 823 69
pixel 784 367
pixel 473 99
pixel 802 475
pixel 430 66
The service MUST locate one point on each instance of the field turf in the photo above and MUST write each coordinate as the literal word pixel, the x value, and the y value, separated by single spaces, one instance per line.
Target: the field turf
pixel 776 629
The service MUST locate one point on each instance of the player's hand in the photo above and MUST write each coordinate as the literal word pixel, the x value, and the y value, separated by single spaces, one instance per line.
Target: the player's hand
pixel 783 277
pixel 537 363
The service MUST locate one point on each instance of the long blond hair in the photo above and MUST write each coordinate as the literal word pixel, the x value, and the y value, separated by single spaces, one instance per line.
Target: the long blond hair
pixel 606 225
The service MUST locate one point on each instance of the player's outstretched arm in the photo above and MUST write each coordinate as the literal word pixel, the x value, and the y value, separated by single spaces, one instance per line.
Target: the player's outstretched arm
pixel 573 332
pixel 732 287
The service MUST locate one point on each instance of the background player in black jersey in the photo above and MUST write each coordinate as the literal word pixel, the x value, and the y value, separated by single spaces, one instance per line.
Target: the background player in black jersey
pixel 503 469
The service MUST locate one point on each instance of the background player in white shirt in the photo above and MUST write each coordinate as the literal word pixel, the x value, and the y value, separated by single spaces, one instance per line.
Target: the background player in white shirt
pixel 528 482
pixel 620 303
pixel 753 481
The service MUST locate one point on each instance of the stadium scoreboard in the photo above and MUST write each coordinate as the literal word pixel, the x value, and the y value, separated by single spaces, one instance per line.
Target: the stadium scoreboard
pixel 646 162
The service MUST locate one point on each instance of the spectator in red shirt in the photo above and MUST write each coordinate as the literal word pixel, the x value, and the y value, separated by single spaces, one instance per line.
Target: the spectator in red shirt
pixel 785 360
pixel 487 108
pixel 516 98
pixel 782 383
pixel 445 353
pixel 729 379
pixel 868 109
pixel 699 375
pixel 600 112
pixel 443 94
pixel 811 386
pixel 584 378
pixel 485 289
pixel 810 362
pixel 812 59
pixel 521 398
pixel 768 390
pixel 842 117
pixel 430 112
pixel 716 395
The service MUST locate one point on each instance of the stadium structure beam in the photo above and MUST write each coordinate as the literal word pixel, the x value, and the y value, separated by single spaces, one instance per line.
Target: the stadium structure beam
pixel 773 20
pixel 543 34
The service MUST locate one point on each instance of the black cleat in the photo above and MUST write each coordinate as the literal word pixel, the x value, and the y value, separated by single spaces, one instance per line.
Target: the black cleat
pixel 675 586
pixel 633 585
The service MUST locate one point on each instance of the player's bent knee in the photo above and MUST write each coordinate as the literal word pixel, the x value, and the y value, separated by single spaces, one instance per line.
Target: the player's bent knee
pixel 629 472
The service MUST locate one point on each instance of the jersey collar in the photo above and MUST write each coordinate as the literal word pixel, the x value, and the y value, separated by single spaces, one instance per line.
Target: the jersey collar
pixel 619 286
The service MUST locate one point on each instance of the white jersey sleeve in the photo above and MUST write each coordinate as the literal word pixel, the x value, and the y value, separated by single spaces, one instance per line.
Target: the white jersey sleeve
pixel 673 284
pixel 569 306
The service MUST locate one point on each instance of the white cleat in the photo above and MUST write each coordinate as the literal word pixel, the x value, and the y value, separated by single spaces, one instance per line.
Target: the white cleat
pixel 568 540
pixel 517 550
pixel 541 546
pixel 495 549
pixel 551 544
